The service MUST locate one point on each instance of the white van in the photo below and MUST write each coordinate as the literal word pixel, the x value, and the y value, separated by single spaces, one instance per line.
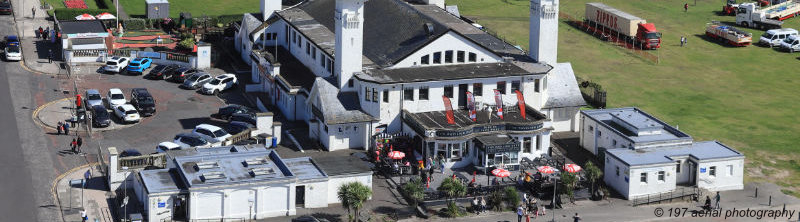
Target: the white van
pixel 774 37
pixel 791 44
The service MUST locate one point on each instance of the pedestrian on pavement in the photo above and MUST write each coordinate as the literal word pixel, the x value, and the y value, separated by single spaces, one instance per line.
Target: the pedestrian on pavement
pixel 430 171
pixel 33 12
pixel 79 142
pixel 441 167
pixel 520 212
pixel 59 127
pixel 686 7
pixel 716 198
pixel 50 56
pixel 483 204
pixel 66 128
pixel 576 218
pixel 476 205
pixel 41 30
pixel 73 145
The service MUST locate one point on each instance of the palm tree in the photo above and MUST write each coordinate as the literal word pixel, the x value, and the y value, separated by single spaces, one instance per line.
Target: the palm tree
pixel 352 195
pixel 452 188
pixel 568 182
pixel 593 173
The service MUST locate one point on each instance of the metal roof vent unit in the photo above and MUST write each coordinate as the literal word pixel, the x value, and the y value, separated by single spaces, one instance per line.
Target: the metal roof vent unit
pixel 261 171
pixel 429 28
pixel 206 165
pixel 213 176
pixel 255 161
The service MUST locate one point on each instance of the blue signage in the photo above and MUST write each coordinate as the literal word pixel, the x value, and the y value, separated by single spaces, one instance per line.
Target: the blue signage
pixel 149 54
pixel 162 204
pixel 703 170
pixel 626 179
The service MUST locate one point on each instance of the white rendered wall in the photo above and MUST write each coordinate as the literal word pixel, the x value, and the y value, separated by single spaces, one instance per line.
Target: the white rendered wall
pixel 564 119
pixel 352 135
pixel 653 185
pixel 543 33
pixel 723 180
pixel 449 41
pixel 335 182
pixel 154 213
pixel 298 49
pixel 268 7
pixel 274 201
pixel 316 194
pixel 613 180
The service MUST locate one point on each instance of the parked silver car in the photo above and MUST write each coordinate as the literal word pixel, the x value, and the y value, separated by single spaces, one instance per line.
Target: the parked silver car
pixel 196 80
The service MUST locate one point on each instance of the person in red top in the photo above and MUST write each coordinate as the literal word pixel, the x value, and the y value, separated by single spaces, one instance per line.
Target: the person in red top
pixel 685 7
pixel 73 145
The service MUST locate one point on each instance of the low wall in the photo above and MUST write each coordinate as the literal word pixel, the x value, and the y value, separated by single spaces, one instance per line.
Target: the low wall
pixel 99 55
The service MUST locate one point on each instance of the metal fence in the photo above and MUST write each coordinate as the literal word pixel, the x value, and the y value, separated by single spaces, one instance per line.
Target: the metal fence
pixel 177 57
pixel 87 52
pixel 611 36
pixel 593 93
pixel 682 192
pixel 141 162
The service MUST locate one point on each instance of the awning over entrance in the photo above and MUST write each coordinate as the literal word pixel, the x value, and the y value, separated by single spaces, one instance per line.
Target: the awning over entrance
pixel 497 144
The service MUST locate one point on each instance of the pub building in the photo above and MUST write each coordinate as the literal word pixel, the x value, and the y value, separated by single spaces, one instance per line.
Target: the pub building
pixel 487 143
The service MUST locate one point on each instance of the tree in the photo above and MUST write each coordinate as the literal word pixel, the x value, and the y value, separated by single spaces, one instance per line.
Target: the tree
pixel 511 196
pixel 413 190
pixel 452 188
pixel 594 174
pixel 568 182
pixel 353 195
pixel 496 200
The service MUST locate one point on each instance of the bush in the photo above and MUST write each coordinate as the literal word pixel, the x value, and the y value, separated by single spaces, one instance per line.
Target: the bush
pixel 511 196
pixel 226 19
pixel 71 13
pixel 453 210
pixel 495 200
pixel 106 4
pixel 413 191
pixel 187 44
pixel 134 24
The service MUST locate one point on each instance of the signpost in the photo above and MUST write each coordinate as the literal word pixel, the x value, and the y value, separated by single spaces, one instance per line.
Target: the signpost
pixel 72 183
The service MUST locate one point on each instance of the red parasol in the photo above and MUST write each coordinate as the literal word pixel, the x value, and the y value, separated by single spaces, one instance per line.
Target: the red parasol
pixel 545 169
pixel 396 155
pixel 572 168
pixel 501 172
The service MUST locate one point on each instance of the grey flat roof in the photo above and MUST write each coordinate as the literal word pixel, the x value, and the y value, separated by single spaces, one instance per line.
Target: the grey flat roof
pixel 447 72
pixel 161 181
pixel 702 151
pixel 335 165
pixel 293 71
pixel 304 168
pixel 215 150
pixel 83 26
pixel 207 170
pixel 635 116
pixel 494 139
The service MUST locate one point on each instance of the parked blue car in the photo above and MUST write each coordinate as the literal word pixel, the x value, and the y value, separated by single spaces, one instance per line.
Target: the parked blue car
pixel 138 65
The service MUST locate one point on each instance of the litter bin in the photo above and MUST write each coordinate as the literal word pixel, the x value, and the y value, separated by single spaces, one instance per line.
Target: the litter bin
pixel 274 142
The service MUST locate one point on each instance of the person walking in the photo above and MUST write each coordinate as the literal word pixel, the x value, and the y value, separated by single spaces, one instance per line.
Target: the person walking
pixel 66 128
pixel 476 205
pixel 520 212
pixel 682 40
pixel 50 56
pixel 686 7
pixel 73 145
pixel 59 126
pixel 441 166
pixel 483 204
pixel 716 198
pixel 84 217
pixel 33 12
pixel 79 142
pixel 576 218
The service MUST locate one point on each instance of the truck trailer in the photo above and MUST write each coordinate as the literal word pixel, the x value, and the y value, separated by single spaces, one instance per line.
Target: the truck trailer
pixel 750 15
pixel 614 21
pixel 728 34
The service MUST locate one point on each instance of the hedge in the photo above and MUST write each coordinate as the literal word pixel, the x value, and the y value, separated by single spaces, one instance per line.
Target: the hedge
pixel 107 4
pixel 226 19
pixel 134 24
pixel 71 13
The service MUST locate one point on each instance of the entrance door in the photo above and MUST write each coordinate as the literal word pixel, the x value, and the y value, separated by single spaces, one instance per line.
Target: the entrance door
pixel 179 209
pixel 299 196
pixel 462 96
pixel 692 173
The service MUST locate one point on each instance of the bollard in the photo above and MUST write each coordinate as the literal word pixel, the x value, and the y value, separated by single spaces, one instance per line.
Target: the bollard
pixel 770 201
pixel 756 193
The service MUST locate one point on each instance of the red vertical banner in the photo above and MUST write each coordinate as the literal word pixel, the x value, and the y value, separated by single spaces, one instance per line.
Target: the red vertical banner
pixel 471 106
pixel 521 103
pixel 498 99
pixel 451 118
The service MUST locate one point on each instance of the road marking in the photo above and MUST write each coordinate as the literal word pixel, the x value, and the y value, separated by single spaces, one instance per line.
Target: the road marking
pixel 55 184
pixel 35 114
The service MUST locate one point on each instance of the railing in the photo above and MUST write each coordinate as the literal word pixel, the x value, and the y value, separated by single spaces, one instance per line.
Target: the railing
pixel 87 52
pixel 244 135
pixel 177 57
pixel 140 162
pixel 120 52
pixel 669 195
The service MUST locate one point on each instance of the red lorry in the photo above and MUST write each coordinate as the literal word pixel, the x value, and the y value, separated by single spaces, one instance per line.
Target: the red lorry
pixel 614 22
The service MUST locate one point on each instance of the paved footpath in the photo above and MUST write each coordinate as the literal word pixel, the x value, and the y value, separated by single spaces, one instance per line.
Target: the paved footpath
pixel 93 198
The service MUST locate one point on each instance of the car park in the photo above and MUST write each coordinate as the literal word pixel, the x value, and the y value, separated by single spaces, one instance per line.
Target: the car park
pixel 100 116
pixel 237 127
pixel 161 72
pixel 138 65
pixel 180 74
pixel 143 101
pixel 115 97
pixel 196 80
pixel 225 112
pixel 12 51
pixel 244 117
pixel 93 98
pixel 166 146
pixel 211 133
pixel 219 84
pixel 116 64
pixel 188 140
pixel 127 113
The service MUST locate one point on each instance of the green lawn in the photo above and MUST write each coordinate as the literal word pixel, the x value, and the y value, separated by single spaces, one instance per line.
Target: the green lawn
pixel 92 4
pixel 136 8
pixel 743 97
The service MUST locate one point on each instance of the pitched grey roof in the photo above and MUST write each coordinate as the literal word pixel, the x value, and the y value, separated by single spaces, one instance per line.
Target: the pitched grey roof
pixel 251 21
pixel 449 72
pixel 392 28
pixel 338 107
pixel 702 151
pixel 563 88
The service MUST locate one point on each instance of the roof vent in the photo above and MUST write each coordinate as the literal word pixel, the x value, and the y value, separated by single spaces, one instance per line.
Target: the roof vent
pixel 213 176
pixel 255 161
pixel 206 165
pixel 261 171
pixel 429 28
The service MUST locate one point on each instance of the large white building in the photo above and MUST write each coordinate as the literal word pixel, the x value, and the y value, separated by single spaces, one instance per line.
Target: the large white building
pixel 351 68
pixel 643 155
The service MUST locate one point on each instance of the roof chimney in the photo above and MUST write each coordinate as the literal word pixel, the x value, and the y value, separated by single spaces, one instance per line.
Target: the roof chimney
pixel 268 7
pixel 349 19
pixel 439 3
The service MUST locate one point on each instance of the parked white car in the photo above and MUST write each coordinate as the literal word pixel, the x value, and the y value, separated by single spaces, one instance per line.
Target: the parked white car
pixel 211 133
pixel 116 64
pixel 93 98
pixel 188 140
pixel 127 113
pixel 165 146
pixel 116 98
pixel 219 84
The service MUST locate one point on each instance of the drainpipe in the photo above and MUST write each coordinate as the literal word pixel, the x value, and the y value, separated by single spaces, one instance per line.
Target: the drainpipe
pixel 402 96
